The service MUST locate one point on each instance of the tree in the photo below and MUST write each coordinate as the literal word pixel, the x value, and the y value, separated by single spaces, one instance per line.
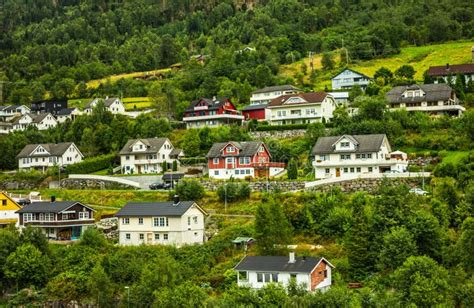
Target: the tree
pixel 263 76
pixel 184 295
pixel 100 287
pixel 371 108
pixel 327 61
pixel 272 228
pixel 164 166
pixel 94 239
pixel 27 265
pixel 292 169
pixel 313 132
pixel 175 165
pixel 405 71
pixel 422 282
pixel 398 245
pixel 191 143
pixel 189 190
pixel 465 244
pixel 355 92
pixel 385 74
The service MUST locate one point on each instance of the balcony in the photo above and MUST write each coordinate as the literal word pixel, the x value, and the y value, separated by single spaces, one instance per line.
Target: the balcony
pixel 59 223
pixel 214 117
pixel 268 165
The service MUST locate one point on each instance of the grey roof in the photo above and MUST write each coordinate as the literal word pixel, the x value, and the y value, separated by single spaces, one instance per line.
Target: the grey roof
pixel 49 207
pixel 153 145
pixel 12 107
pixel 277 264
pixel 5 124
pixel 65 111
pixel 40 117
pixel 254 107
pixel 434 92
pixel 176 152
pixel 167 208
pixel 348 69
pixel 246 148
pixel 3 107
pixel 366 144
pixel 54 149
pixel 172 176
pixel 107 102
pixel 285 87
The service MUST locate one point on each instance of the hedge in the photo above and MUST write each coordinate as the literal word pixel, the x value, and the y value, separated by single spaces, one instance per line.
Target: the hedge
pixel 281 127
pixel 92 164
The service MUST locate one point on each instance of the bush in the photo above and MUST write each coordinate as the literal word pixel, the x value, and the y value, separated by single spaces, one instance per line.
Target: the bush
pixel 234 191
pixel 189 190
pixel 292 169
pixel 281 127
pixel 192 161
pixel 92 164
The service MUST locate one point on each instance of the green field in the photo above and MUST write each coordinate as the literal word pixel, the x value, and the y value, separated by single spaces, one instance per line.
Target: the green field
pixel 421 58
pixel 131 103
pixel 454 157
pixel 95 83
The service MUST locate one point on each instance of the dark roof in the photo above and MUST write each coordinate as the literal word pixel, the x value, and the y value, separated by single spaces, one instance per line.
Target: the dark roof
pixel 434 92
pixel 3 107
pixel 5 124
pixel 312 97
pixel 65 111
pixel 54 149
pixel 107 102
pixel 246 148
pixel 175 152
pixel 11 108
pixel 285 87
pixel 49 207
pixel 172 176
pixel 153 145
pixel 40 117
pixel 254 107
pixel 366 143
pixel 213 104
pixel 445 70
pixel 348 69
pixel 167 208
pixel 277 264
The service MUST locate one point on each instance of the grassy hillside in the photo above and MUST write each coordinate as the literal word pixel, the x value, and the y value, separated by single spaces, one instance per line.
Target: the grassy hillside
pixel 420 57
pixel 131 103
pixel 112 78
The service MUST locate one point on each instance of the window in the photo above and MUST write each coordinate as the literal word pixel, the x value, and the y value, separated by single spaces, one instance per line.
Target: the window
pixel 215 161
pixel 237 171
pixel 267 277
pixel 293 277
pixel 160 222
pixel 165 236
pixel 352 169
pixel 357 156
pixel 275 277
pixel 195 219
pixel 195 234
pixel 65 216
pixel 83 215
pixel 216 172
pixel 259 277
pixel 325 273
pixel 28 217
pixel 157 236
pixel 4 202
pixel 369 155
pixel 125 221
pixel 346 170
pixel 345 144
pixel 243 275
pixel 189 221
pixel 362 155
pixel 370 169
pixel 322 157
pixel 230 149
pixel 247 171
pixel 327 170
pixel 127 236
pixel 127 157
pixel 244 160
pixel 358 169
pixel 140 221
pixel 141 236
pixel 345 156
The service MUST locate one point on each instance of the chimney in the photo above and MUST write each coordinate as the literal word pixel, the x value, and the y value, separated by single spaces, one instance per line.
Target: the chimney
pixel 107 97
pixel 53 199
pixel 447 66
pixel 175 200
pixel 292 257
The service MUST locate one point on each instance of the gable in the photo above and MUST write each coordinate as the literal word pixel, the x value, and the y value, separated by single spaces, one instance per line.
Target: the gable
pixel 10 205
pixel 83 206
pixel 139 146
pixel 348 73
pixel 230 148
pixel 40 150
pixel 295 100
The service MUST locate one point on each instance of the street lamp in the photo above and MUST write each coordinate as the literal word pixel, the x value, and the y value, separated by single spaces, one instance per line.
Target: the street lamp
pixel 128 296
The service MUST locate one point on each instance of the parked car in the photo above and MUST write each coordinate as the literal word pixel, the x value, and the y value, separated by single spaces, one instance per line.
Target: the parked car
pixel 418 191
pixel 159 185
pixel 23 202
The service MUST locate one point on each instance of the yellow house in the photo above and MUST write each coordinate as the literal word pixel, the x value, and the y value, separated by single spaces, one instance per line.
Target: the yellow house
pixel 8 208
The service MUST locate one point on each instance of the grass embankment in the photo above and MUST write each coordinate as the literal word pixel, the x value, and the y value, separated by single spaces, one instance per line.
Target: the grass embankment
pixel 97 82
pixel 130 103
pixel 420 57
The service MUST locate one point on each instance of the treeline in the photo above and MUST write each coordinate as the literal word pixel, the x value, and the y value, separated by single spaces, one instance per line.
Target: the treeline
pixel 56 46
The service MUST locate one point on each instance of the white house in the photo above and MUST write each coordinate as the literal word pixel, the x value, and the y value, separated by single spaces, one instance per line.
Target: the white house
pixel 311 273
pixel 346 155
pixel 42 121
pixel 5 128
pixel 435 99
pixel 349 78
pixel 113 104
pixel 7 113
pixel 449 72
pixel 67 114
pixel 265 95
pixel 147 155
pixel 168 223
pixel 301 108
pixel 43 156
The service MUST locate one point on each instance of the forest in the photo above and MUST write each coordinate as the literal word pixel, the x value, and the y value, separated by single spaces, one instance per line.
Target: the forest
pixel 52 48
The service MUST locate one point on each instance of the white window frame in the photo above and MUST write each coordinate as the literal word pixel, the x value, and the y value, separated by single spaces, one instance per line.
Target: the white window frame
pixel 83 215
pixel 125 221
pixel 27 217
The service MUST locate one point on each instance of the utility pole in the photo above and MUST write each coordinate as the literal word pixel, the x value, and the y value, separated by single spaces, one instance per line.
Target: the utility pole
pixel 311 64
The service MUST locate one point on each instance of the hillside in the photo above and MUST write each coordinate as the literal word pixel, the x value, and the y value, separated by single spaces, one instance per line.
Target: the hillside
pixel 420 57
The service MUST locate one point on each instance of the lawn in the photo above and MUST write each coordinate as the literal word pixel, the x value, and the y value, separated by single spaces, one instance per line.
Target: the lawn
pixel 131 103
pixel 420 57
pixel 95 83
pixel 454 157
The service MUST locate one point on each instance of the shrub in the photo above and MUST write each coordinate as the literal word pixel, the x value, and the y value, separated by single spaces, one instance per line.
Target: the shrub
pixel 234 191
pixel 292 170
pixel 189 190
pixel 281 127
pixel 92 164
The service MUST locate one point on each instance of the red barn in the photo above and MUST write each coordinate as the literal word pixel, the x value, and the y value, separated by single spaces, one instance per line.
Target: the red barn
pixel 240 160
pixel 211 112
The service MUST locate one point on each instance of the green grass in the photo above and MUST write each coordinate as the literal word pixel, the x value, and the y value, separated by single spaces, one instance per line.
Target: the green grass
pixel 130 103
pixel 420 57
pixel 78 103
pixel 95 83
pixel 454 157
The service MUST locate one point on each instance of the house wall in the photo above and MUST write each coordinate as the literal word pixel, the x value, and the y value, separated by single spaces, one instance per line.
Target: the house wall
pixel 318 281
pixel 303 113
pixel 347 79
pixel 71 156
pixel 116 107
pixel 258 114
pixel 8 207
pixel 178 230
pixel 140 162
pixel 283 278
pixel 48 122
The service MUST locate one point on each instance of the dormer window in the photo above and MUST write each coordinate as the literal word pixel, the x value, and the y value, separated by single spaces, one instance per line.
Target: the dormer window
pixel 261 149
pixel 345 144
pixel 230 149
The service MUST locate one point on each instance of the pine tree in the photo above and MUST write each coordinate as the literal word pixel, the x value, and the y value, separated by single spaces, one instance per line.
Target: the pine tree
pixel 292 169
pixel 272 228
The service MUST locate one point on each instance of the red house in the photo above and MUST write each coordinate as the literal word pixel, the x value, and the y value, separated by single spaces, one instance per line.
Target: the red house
pixel 256 111
pixel 240 160
pixel 212 112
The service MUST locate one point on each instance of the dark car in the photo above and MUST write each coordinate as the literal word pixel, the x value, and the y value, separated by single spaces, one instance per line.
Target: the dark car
pixel 159 185
pixel 23 202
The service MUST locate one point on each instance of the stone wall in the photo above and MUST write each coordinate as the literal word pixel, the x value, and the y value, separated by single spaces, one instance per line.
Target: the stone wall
pixel 369 185
pixel 278 133
pixel 13 185
pixel 260 186
pixel 92 184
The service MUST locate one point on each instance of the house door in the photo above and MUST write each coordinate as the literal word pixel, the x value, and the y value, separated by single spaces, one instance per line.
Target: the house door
pixel 139 169
pixel 149 238
pixel 230 162
pixel 338 172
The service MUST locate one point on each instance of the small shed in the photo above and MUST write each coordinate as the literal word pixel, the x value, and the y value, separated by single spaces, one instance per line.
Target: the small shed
pixel 243 242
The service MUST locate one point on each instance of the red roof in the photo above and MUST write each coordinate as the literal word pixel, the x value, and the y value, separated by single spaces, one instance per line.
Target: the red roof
pixel 447 69
pixel 312 97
